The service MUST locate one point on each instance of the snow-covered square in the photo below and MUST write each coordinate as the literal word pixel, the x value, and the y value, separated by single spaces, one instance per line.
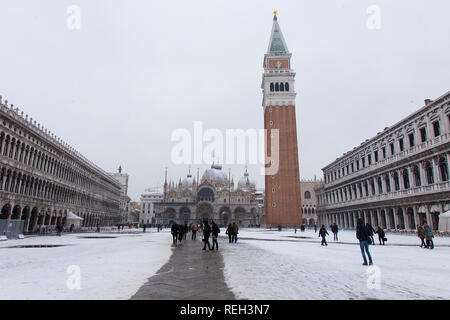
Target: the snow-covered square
pixel 263 264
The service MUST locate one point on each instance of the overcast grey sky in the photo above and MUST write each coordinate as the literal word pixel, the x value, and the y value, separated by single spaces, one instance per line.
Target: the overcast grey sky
pixel 137 70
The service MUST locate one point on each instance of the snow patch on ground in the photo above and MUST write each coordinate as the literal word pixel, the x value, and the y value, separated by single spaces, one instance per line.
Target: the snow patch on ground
pixel 303 269
pixel 111 268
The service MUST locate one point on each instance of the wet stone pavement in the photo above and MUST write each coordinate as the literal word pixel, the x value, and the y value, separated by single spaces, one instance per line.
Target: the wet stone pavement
pixel 190 274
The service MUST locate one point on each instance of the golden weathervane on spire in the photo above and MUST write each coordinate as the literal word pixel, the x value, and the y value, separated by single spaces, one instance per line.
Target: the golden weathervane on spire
pixel 275 12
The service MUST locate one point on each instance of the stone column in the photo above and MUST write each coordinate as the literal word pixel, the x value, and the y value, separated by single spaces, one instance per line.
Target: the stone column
pixel 409 176
pixel 394 213
pixel 406 218
pixel 386 226
pixel 428 214
pixel 400 179
pixel 437 177
pixel 383 184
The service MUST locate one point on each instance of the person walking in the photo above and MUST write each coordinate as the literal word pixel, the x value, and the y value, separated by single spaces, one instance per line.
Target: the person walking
pixel 215 234
pixel 206 234
pixel 421 235
pixel 362 234
pixel 181 232
pixel 335 230
pixel 428 236
pixel 235 231
pixel 59 229
pixel 323 233
pixel 174 232
pixel 315 228
pixel 381 234
pixel 229 232
pixel 371 232
pixel 194 229
pixel 144 227
pixel 185 231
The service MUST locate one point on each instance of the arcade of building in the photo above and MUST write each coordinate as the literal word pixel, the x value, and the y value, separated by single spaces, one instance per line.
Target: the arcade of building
pixel 398 179
pixel 42 179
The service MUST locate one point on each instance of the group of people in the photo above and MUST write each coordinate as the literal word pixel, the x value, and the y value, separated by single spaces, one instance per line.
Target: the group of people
pixel 232 232
pixel 179 232
pixel 212 230
pixel 425 233
pixel 365 234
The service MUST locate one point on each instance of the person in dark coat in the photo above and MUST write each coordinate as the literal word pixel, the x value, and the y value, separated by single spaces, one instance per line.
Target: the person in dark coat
pixel 229 232
pixel 144 226
pixel 59 229
pixel 371 232
pixel 421 235
pixel 180 232
pixel 206 234
pixel 335 230
pixel 215 234
pixel 381 234
pixel 186 230
pixel 194 229
pixel 362 234
pixel 174 232
pixel 323 233
pixel 315 228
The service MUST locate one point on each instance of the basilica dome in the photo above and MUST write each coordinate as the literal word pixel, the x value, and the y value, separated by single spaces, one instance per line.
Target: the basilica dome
pixel 188 182
pixel 245 182
pixel 215 176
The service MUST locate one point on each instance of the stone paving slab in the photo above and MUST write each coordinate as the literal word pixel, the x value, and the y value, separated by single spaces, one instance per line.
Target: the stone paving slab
pixel 190 274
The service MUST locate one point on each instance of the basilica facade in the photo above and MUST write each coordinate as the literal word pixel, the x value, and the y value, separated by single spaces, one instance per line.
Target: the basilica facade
pixel 214 196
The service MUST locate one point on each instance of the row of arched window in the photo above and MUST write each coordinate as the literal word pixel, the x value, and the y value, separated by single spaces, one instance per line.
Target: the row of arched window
pixel 279 86
pixel 387 151
pixel 402 179
pixel 26 154
pixel 25 184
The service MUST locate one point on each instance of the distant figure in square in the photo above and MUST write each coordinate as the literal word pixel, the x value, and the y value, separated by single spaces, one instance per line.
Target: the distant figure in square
pixel 174 232
pixel 235 230
pixel 181 232
pixel 206 234
pixel 229 232
pixel 381 234
pixel 215 234
pixel 323 233
pixel 428 236
pixel 335 230
pixel 421 235
pixel 194 229
pixel 371 232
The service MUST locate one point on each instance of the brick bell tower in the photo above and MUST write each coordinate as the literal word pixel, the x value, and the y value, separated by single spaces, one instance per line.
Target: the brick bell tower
pixel 282 186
